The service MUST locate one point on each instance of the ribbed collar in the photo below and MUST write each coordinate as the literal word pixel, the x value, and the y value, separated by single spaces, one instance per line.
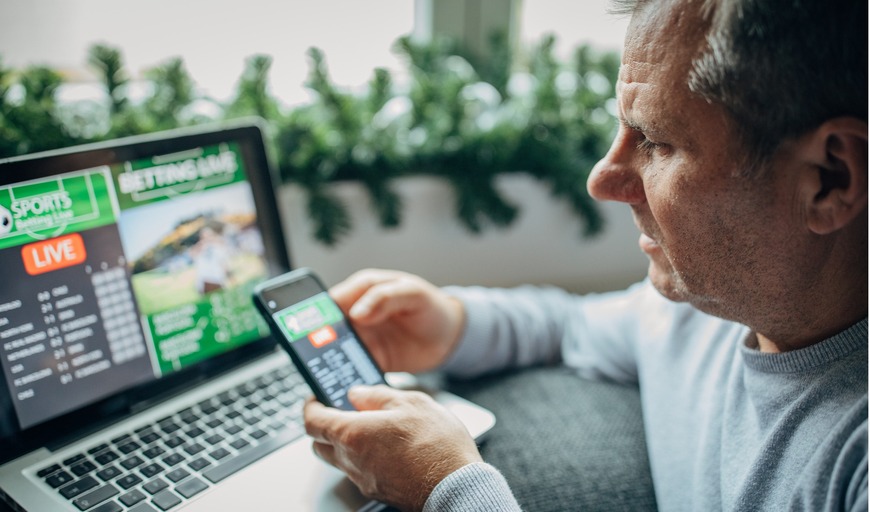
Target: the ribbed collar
pixel 834 348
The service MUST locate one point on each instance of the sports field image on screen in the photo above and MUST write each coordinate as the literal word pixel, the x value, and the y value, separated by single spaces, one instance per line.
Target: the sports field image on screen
pixel 194 262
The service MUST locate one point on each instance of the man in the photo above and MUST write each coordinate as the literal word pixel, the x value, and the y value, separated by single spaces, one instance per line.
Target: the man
pixel 742 151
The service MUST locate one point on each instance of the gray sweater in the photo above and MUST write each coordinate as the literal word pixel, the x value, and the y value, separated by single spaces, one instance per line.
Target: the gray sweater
pixel 727 427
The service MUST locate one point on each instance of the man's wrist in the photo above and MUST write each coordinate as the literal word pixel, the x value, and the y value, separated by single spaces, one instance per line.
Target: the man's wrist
pixel 474 486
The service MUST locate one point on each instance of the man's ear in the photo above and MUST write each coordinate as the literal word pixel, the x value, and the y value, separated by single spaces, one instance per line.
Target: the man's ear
pixel 837 191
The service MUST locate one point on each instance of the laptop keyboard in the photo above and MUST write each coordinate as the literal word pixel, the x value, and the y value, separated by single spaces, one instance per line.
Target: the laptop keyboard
pixel 158 466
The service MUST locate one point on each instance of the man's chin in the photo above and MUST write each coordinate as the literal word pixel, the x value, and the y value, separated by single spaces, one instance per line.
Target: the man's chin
pixel 666 283
pixel 672 287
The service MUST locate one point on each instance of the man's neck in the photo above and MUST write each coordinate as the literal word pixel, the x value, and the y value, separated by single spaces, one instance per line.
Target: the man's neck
pixel 779 344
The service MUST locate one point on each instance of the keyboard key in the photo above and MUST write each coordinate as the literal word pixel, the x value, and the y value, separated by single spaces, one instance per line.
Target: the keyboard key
pixel 98 448
pixel 219 454
pixel 154 452
pixel 121 439
pixel 151 470
pixel 177 475
pixel 109 506
pixel 133 497
pixel 95 497
pixel 194 448
pixel 198 464
pixel 83 468
pixel 207 407
pixel 188 417
pixel 214 439
pixel 170 427
pixel 44 472
pixel 194 432
pixel 143 507
pixel 109 472
pixel 142 430
pixel 233 429
pixel 191 487
pixel 79 486
pixel 58 479
pixel 214 423
pixel 174 441
pixel 155 486
pixel 128 481
pixel 165 500
pixel 258 434
pixel 106 457
pixel 75 458
pixel 149 437
pixel 238 444
pixel 288 399
pixel 173 459
pixel 128 447
pixel 132 462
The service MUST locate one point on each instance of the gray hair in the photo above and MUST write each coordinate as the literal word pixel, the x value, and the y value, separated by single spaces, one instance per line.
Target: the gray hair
pixel 780 67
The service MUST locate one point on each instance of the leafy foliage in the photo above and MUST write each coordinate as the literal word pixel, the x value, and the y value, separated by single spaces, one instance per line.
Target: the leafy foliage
pixel 460 118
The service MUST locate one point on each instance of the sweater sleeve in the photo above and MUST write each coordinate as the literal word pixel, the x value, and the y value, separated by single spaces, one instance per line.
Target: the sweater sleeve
pixel 596 334
pixel 477 486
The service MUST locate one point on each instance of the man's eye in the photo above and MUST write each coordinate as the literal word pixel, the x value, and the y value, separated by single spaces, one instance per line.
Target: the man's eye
pixel 649 147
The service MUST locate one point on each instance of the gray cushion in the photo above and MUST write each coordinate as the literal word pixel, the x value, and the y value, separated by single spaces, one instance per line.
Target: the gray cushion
pixel 565 443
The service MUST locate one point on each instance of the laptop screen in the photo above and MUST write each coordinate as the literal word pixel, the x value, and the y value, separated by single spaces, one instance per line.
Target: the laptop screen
pixel 129 263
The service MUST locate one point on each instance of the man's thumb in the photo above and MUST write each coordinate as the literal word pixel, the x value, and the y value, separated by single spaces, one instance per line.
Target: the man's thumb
pixel 371 398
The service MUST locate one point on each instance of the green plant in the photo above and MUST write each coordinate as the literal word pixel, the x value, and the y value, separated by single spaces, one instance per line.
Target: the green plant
pixel 459 118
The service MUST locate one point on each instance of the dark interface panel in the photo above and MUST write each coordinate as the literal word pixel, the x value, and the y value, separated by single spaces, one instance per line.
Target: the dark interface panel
pixel 118 275
pixel 320 335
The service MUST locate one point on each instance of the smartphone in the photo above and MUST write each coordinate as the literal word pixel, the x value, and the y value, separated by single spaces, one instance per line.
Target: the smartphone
pixel 311 327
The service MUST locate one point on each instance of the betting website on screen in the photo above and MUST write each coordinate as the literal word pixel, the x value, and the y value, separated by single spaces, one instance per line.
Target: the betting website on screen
pixel 318 332
pixel 121 274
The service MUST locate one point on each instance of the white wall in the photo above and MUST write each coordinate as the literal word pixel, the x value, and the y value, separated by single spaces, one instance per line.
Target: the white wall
pixel 543 246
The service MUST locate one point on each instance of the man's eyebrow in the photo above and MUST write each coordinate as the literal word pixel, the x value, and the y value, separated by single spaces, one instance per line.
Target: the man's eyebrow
pixel 654 130
pixel 635 126
pixel 630 124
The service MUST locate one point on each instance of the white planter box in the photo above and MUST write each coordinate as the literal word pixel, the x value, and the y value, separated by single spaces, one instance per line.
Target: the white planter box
pixel 542 246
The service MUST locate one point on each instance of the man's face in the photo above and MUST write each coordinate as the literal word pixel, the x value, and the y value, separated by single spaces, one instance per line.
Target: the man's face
pixel 713 236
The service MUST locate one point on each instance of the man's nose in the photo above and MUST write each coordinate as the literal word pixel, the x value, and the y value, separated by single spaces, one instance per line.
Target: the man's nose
pixel 615 177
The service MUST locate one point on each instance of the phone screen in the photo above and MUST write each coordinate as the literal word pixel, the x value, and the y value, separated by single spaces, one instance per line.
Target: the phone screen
pixel 317 331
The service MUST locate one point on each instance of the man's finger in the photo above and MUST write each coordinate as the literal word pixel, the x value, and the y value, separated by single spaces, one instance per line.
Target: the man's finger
pixel 322 422
pixel 373 398
pixel 348 292
pixel 386 299
pixel 325 452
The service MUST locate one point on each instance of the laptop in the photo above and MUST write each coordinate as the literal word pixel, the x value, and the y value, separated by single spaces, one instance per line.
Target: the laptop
pixel 136 373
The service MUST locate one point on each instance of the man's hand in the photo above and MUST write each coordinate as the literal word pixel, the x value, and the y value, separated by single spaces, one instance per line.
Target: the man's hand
pixel 407 323
pixel 396 448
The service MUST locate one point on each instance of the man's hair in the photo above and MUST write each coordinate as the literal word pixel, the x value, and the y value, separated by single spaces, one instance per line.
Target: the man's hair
pixel 780 68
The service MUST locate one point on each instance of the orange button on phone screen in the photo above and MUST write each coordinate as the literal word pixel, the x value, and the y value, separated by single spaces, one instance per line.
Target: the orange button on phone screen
pixel 323 336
